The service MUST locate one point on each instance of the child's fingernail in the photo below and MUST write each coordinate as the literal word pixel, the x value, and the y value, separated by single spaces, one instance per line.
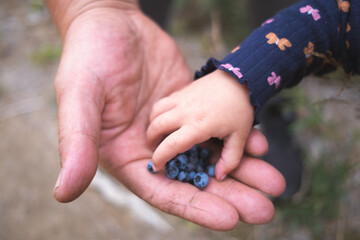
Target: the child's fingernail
pixel 222 177
pixel 58 181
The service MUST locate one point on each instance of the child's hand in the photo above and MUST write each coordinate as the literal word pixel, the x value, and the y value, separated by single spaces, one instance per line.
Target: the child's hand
pixel 213 106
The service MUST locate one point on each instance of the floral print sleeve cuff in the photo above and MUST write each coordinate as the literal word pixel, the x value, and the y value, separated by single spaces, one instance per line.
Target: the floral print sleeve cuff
pixel 312 36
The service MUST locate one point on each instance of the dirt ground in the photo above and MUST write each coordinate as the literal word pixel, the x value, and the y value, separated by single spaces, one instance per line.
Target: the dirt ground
pixel 29 161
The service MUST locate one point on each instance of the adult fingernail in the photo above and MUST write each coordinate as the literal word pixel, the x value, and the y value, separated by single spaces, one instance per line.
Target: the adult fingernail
pixel 58 182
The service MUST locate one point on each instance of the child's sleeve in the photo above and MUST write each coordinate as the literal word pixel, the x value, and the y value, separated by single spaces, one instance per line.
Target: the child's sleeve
pixel 310 36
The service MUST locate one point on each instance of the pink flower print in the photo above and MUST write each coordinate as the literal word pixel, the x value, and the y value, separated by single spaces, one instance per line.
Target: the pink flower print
pixel 267 22
pixel 273 79
pixel 311 11
pixel 235 70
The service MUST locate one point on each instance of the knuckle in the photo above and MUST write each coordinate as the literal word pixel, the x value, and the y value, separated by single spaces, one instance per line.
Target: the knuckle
pixel 156 107
pixel 200 118
pixel 157 125
pixel 231 165
pixel 159 105
pixel 172 143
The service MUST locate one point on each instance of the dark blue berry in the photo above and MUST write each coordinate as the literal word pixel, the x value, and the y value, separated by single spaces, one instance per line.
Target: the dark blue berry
pixel 211 170
pixel 199 168
pixel 201 180
pixel 193 159
pixel 172 171
pixel 150 166
pixel 204 162
pixel 172 162
pixel 190 166
pixel 205 153
pixel 190 176
pixel 182 176
pixel 181 161
pixel 194 151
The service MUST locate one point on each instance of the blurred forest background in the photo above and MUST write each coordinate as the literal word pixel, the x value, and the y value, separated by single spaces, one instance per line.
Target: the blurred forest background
pixel 321 117
pixel 318 132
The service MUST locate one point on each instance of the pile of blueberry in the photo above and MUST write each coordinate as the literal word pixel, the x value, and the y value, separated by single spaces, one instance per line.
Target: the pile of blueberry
pixel 192 166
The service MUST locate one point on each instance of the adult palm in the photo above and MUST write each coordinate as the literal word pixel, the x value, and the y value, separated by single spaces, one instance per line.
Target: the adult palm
pixel 116 64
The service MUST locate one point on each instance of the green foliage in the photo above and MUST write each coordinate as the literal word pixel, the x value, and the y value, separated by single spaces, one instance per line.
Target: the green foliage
pixel 37 5
pixel 2 91
pixel 309 115
pixel 195 15
pixel 321 201
pixel 46 54
pixel 326 171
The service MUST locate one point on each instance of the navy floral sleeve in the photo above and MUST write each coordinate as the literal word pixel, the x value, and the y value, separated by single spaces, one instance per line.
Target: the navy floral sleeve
pixel 312 36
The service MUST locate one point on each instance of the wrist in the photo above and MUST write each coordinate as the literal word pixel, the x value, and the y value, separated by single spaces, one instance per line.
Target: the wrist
pixel 243 90
pixel 65 12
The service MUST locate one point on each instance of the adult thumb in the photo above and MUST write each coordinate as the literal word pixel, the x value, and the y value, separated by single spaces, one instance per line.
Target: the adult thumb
pixel 79 124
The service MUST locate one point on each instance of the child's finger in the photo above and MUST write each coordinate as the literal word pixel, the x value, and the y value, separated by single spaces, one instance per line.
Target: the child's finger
pixel 230 156
pixel 163 105
pixel 177 142
pixel 161 126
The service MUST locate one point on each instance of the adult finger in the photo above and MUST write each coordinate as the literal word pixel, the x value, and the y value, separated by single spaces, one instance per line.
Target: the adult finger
pixel 260 175
pixel 252 206
pixel 219 206
pixel 256 144
pixel 178 198
pixel 79 126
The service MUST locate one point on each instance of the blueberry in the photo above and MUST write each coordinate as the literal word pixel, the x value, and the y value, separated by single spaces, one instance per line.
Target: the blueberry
pixel 172 171
pixel 150 166
pixel 182 176
pixel 211 170
pixel 181 161
pixel 193 159
pixel 205 153
pixel 190 176
pixel 190 166
pixel 203 163
pixel 172 162
pixel 199 168
pixel 194 151
pixel 201 179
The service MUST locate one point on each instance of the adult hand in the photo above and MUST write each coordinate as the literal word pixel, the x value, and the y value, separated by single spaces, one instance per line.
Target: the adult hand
pixel 116 64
